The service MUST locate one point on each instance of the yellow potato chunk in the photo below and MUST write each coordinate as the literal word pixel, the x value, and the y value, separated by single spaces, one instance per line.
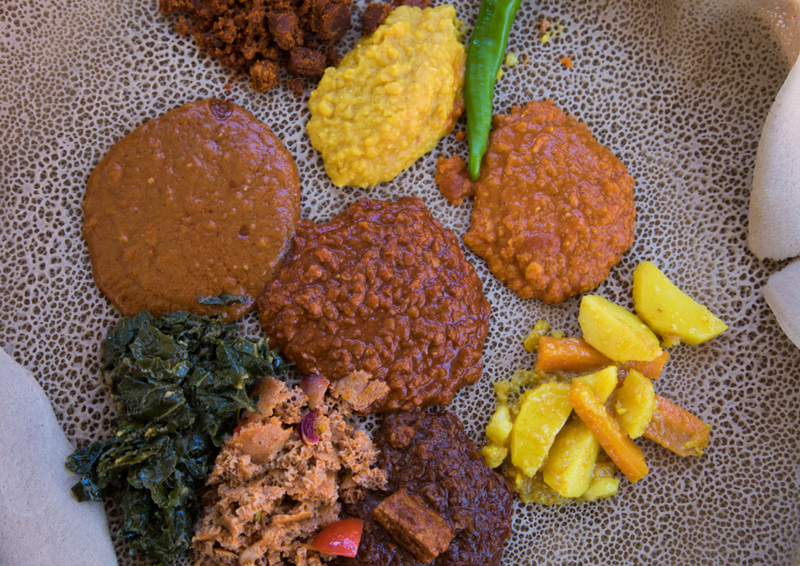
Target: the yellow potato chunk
pixel 494 455
pixel 604 483
pixel 568 468
pixel 616 332
pixel 602 382
pixel 570 462
pixel 542 413
pixel 635 404
pixel 670 312
pixel 499 427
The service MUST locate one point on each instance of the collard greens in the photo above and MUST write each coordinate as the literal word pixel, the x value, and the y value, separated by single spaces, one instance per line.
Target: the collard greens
pixel 180 382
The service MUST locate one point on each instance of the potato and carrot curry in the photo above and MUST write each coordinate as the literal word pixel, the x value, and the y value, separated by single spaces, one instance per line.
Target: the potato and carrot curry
pixel 597 392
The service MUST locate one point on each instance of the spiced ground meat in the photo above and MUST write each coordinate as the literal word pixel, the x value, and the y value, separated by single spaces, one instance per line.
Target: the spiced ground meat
pixel 258 36
pixel 553 208
pixel 430 457
pixel 385 289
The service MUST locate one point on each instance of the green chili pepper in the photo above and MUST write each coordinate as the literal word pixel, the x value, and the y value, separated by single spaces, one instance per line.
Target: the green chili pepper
pixel 487 46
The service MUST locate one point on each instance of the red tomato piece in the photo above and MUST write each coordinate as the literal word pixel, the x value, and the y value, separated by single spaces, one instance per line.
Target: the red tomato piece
pixel 340 538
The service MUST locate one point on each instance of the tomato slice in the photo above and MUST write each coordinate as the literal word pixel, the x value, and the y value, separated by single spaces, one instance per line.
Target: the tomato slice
pixel 340 538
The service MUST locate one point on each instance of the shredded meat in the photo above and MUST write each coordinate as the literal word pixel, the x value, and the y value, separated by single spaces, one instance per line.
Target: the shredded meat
pixel 269 493
pixel 360 390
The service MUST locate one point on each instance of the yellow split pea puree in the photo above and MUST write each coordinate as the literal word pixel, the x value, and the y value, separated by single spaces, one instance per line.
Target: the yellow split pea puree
pixel 391 98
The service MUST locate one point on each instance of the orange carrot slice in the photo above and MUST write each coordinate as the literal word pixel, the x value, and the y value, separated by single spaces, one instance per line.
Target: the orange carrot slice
pixel 651 370
pixel 677 429
pixel 573 355
pixel 608 432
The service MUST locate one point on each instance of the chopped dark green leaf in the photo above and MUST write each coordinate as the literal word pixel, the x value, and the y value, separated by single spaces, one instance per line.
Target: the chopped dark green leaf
pixel 181 382
pixel 223 300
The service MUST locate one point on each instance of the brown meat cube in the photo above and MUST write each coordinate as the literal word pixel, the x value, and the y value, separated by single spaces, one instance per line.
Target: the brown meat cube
pixel 452 178
pixel 415 527
pixel 265 75
pixel 373 16
pixel 285 29
pixel 296 84
pixel 413 3
pixel 304 61
pixel 330 19
pixel 332 58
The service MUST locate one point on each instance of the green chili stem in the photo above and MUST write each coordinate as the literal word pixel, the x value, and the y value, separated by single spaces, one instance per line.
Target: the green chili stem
pixel 487 46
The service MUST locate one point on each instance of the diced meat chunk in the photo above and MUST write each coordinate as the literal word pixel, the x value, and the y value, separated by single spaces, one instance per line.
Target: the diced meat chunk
pixel 373 16
pixel 265 75
pixel 285 29
pixel 296 85
pixel 304 61
pixel 417 528
pixel 331 19
pixel 332 58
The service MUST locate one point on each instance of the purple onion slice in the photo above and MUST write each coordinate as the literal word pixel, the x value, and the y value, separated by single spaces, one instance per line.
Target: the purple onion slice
pixel 314 386
pixel 307 433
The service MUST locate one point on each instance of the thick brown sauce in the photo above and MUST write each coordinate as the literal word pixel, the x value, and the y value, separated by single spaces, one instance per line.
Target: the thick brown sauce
pixel 201 201
pixel 429 455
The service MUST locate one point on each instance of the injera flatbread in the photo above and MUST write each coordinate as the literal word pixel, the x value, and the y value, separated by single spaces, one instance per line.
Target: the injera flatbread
pixel 678 90
pixel 775 199
pixel 783 296
pixel 40 520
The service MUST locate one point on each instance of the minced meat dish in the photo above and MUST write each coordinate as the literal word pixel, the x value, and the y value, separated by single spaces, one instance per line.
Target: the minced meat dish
pixel 258 36
pixel 385 289
pixel 272 490
pixel 553 208
pixel 442 502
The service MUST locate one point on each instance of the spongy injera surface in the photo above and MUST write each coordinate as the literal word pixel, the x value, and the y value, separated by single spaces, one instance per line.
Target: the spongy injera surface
pixel 678 90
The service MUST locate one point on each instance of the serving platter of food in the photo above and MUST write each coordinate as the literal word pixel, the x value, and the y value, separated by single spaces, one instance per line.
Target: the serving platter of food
pixel 295 297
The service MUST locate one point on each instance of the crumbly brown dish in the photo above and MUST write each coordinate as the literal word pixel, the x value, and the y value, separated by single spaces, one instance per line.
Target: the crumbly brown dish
pixel 199 202
pixel 382 288
pixel 373 16
pixel 270 492
pixel 452 180
pixel 553 208
pixel 440 495
pixel 257 36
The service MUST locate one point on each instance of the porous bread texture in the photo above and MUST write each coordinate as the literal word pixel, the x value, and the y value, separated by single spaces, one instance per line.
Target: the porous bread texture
pixel 36 503
pixel 774 229
pixel 677 89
